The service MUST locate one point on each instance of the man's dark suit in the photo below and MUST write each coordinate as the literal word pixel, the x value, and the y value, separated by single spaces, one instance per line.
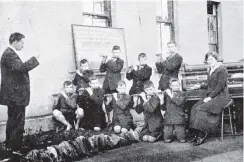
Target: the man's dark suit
pixel 15 93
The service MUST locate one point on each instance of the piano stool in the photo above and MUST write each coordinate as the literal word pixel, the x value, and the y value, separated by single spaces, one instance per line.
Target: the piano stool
pixel 229 117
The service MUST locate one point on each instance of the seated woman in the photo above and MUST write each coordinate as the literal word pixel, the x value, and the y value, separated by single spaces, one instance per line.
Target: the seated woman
pixel 205 114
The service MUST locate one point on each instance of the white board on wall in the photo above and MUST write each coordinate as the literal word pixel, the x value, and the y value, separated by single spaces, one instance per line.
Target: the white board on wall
pixel 90 42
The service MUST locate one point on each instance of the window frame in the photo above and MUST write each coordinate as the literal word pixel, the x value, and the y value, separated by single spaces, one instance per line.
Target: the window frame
pixel 216 16
pixel 106 16
pixel 169 22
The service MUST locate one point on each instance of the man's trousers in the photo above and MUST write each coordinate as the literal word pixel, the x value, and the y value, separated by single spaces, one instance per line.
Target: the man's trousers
pixel 15 127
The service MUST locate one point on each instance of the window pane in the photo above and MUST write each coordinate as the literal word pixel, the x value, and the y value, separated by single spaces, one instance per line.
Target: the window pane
pixel 212 23
pixel 93 6
pixel 159 47
pixel 213 47
pixel 87 20
pixel 163 37
pixel 162 9
pixel 98 6
pixel 90 20
pixel 212 37
pixel 100 22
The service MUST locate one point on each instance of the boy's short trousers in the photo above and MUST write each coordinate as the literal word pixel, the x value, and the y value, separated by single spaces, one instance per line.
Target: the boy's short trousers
pixel 69 116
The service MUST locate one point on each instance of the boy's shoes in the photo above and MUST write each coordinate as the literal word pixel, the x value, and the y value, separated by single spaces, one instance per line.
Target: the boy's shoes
pixel 167 141
pixel 182 141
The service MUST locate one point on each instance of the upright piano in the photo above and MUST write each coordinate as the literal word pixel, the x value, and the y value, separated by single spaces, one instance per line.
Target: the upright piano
pixel 197 74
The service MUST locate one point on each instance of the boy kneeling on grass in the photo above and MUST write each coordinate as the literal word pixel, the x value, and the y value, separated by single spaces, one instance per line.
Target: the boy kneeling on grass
pixel 91 101
pixel 66 110
pixel 151 104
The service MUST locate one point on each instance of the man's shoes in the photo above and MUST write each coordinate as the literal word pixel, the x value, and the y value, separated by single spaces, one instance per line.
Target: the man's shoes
pixel 200 140
pixel 194 139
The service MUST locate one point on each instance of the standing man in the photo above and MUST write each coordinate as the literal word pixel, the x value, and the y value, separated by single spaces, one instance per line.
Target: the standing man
pixel 15 89
pixel 168 66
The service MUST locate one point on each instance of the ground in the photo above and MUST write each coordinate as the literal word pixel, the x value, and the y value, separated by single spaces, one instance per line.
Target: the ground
pixel 213 150
pixel 230 150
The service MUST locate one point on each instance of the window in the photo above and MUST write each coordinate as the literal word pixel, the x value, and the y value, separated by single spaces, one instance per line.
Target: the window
pixel 97 13
pixel 212 9
pixel 164 20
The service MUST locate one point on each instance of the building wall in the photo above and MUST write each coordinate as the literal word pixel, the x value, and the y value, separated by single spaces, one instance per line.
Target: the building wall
pixel 138 18
pixel 191 30
pixel 231 15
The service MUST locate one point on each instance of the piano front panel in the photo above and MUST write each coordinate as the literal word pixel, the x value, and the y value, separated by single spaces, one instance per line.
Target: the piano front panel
pixel 197 74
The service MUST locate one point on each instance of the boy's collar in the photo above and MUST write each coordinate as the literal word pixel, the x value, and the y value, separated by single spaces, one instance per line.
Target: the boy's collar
pixel 78 72
pixel 65 95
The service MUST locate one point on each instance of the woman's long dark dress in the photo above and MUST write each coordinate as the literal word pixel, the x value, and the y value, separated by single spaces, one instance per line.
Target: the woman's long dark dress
pixel 205 116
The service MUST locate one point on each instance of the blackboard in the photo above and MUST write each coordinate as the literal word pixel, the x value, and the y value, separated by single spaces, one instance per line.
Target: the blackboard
pixel 90 42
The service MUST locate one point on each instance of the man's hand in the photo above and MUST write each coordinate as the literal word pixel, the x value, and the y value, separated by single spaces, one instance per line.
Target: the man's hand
pixel 207 99
pixel 37 55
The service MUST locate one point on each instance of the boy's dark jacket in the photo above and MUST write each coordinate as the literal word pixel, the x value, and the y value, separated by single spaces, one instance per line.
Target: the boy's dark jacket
pixel 168 68
pixel 81 80
pixel 139 77
pixel 152 113
pixel 121 111
pixel 174 108
pixel 113 76
pixel 66 104
pixel 92 106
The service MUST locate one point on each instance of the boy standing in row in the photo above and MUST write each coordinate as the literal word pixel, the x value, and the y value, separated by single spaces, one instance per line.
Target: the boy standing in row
pixel 113 68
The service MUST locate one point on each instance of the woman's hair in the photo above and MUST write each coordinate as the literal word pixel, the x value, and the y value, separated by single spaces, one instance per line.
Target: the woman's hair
pixel 213 54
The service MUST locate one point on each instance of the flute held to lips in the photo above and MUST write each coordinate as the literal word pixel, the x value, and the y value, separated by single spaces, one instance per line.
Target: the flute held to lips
pixel 104 57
